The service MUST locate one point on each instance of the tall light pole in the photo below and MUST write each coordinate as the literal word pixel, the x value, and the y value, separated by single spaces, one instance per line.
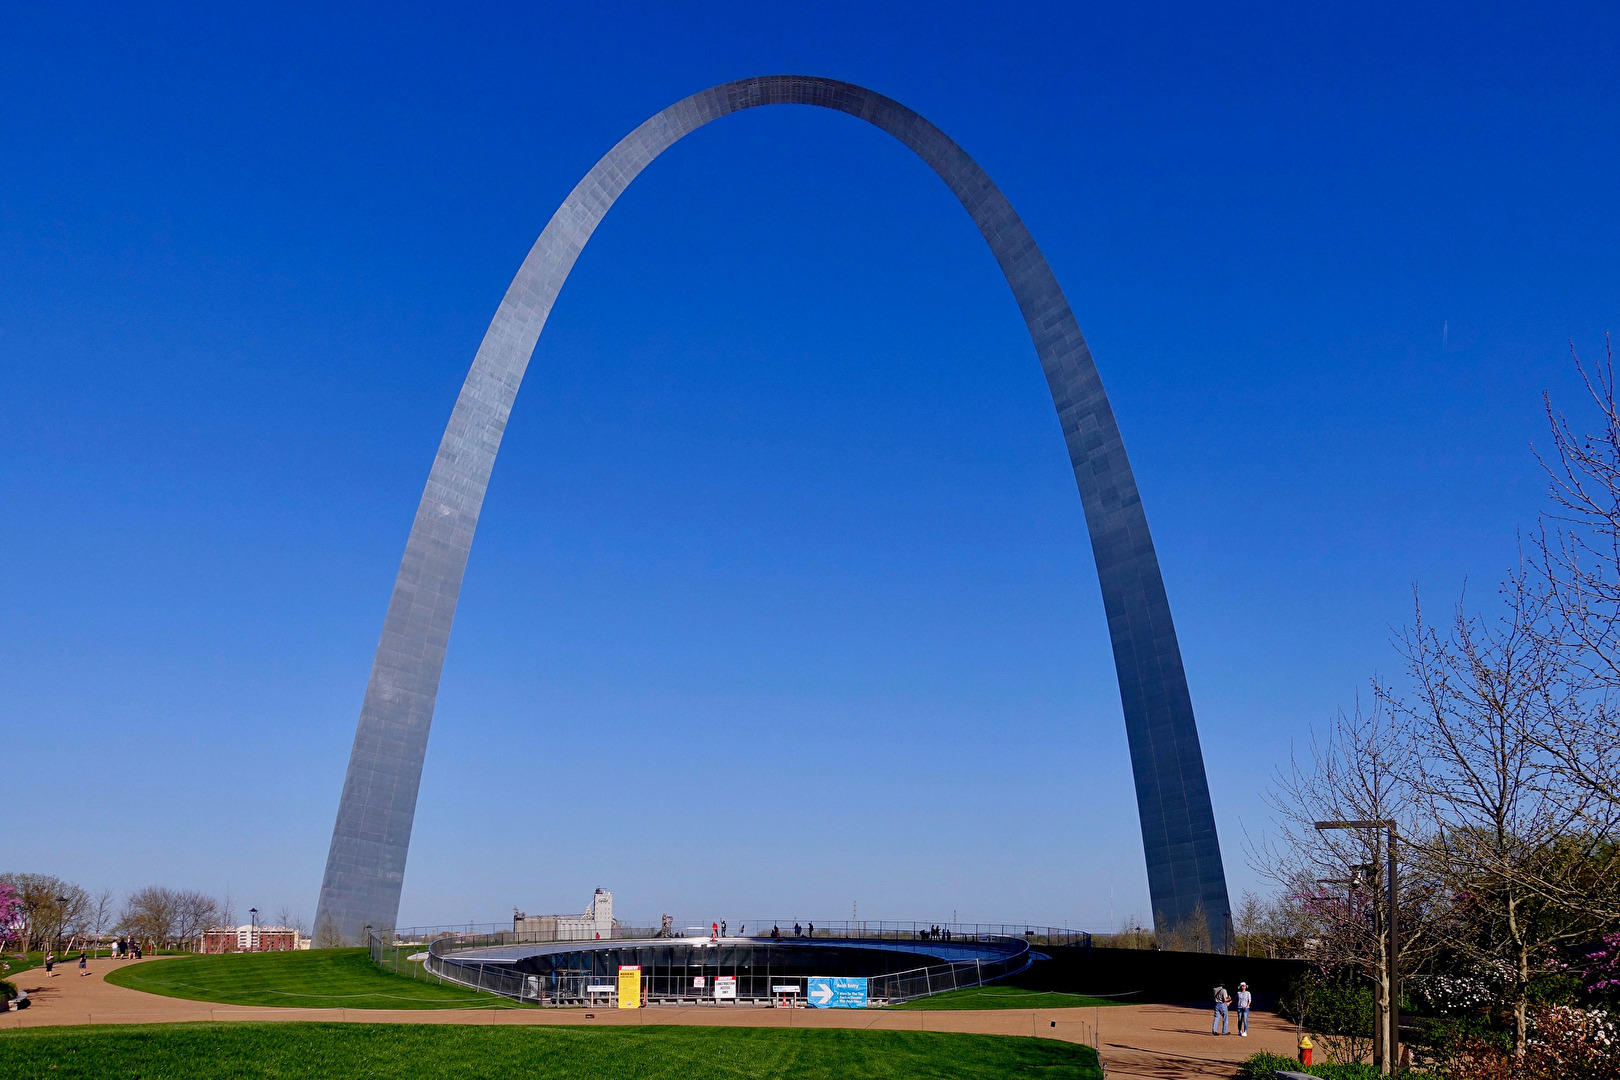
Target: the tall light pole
pixel 1392 1040
pixel 253 934
pixel 61 918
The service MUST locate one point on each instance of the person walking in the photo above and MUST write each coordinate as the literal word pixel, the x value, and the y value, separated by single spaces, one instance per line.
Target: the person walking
pixel 812 931
pixel 50 962
pixel 722 928
pixel 1242 1003
pixel 714 931
pixel 1222 999
pixel 84 968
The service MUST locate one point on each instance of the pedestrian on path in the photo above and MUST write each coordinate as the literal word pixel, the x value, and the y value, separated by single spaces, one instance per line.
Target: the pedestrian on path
pixel 1244 1000
pixel 50 962
pixel 83 968
pixel 1222 999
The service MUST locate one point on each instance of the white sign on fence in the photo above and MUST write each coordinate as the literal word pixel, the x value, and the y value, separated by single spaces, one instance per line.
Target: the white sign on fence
pixel 725 986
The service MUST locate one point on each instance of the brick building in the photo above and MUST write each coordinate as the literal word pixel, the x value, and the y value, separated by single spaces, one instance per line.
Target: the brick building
pixel 250 938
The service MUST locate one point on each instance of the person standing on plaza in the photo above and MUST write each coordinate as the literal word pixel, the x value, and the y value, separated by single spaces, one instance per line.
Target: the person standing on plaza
pixel 1241 1003
pixel 1222 999
pixel 50 962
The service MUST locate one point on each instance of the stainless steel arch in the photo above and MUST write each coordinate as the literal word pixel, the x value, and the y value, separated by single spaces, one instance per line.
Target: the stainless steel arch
pixel 365 867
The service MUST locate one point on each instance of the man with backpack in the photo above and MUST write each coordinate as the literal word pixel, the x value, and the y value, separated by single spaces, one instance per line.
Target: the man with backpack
pixel 1222 999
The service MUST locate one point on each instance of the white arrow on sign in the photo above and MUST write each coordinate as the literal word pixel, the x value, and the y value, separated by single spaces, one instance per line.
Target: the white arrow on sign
pixel 821 994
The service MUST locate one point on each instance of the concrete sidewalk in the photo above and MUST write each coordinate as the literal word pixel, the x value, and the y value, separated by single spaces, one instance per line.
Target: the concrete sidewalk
pixel 1141 1042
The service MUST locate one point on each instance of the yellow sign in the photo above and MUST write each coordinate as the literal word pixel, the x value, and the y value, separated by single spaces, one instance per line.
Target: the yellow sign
pixel 629 986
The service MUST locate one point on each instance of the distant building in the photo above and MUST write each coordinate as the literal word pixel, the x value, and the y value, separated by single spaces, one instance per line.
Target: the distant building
pixel 597 922
pixel 223 939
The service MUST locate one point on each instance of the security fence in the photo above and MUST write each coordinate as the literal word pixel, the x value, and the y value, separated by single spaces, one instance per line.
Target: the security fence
pixel 958 975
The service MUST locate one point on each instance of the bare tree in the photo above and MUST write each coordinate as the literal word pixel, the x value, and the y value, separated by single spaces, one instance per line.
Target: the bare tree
pixel 194 912
pixel 149 914
pixel 292 920
pixel 327 935
pixel 1362 768
pixel 1191 934
pixel 1508 841
pixel 1275 927
pixel 1249 922
pixel 101 913
pixel 1577 564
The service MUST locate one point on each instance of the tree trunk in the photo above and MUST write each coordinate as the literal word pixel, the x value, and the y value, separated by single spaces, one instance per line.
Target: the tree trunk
pixel 1520 1004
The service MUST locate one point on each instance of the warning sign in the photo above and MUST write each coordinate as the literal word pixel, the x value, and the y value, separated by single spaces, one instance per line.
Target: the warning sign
pixel 629 986
pixel 725 987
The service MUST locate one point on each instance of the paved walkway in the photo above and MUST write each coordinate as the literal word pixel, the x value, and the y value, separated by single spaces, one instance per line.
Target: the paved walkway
pixel 1140 1042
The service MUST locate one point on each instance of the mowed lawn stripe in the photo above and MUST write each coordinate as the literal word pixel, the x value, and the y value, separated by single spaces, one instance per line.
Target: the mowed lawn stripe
pixel 311 979
pixel 291 1051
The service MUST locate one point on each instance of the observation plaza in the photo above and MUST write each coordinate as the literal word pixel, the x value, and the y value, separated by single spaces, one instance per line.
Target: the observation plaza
pixel 850 965
pixel 365 867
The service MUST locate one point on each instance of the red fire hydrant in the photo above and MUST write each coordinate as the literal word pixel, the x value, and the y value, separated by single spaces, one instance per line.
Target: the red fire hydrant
pixel 1304 1049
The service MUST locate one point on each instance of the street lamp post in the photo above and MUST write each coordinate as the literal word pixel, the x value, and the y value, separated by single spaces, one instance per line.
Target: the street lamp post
pixel 61 919
pixel 253 933
pixel 1391 1039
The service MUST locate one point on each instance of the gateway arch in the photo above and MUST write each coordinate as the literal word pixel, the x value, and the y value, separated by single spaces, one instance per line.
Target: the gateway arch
pixel 365 866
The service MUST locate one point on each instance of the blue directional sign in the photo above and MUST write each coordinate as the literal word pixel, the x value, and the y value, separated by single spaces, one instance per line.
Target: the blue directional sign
pixel 832 993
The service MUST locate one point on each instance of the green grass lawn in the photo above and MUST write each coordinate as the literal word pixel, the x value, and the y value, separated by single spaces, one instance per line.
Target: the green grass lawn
pixel 1004 997
pixel 384 1051
pixel 311 979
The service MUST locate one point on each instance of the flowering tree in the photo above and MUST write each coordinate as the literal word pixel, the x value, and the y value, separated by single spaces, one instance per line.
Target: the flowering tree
pixel 10 914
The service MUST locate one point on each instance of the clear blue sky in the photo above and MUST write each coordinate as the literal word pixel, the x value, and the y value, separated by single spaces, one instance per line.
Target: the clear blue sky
pixel 782 597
